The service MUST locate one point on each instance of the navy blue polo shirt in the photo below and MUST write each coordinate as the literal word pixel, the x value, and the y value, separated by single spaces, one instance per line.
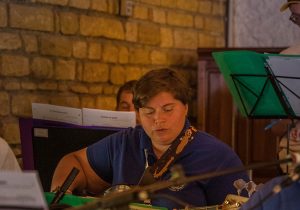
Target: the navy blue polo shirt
pixel 120 159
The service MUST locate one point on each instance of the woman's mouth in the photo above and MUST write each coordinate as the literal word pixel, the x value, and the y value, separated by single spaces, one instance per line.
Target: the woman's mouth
pixel 159 130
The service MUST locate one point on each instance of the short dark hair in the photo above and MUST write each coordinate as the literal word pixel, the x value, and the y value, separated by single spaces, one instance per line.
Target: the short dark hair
pixel 127 86
pixel 160 80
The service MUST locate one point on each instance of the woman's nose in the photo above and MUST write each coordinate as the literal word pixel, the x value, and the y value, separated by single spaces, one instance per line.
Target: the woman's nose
pixel 158 117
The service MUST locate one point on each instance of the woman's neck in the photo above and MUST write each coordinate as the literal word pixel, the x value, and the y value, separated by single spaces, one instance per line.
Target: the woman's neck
pixel 159 149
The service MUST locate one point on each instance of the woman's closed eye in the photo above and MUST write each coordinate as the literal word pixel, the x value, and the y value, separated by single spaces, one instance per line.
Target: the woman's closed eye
pixel 165 109
pixel 148 111
pixel 168 108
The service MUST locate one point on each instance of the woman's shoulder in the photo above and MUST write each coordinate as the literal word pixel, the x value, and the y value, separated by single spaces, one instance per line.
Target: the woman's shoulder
pixel 204 143
pixel 130 131
pixel 208 139
pixel 124 135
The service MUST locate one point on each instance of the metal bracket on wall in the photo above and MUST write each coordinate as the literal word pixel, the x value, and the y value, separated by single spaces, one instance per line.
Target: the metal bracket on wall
pixel 125 8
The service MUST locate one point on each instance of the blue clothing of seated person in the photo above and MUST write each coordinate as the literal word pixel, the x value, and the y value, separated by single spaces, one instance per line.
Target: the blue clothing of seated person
pixel 121 159
pixel 286 199
pixel 160 99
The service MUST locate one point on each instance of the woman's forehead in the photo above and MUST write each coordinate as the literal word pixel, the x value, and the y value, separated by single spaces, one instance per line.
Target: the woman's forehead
pixel 161 99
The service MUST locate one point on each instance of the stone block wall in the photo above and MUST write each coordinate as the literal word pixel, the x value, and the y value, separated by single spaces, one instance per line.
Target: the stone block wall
pixel 77 53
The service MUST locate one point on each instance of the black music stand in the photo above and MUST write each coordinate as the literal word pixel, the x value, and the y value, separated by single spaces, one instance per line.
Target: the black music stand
pixel 261 86
pixel 258 90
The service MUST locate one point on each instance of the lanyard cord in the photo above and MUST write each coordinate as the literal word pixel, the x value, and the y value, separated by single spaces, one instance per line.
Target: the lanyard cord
pixel 163 164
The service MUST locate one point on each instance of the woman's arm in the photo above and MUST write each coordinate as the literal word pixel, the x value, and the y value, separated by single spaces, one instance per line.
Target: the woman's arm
pixel 87 179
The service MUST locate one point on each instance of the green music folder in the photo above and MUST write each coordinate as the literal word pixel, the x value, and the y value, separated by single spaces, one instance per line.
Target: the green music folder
pixel 255 89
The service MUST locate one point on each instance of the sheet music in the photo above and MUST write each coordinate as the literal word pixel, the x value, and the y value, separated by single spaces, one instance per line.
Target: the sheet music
pixel 285 66
pixel 97 117
pixel 21 190
pixel 57 113
pixel 84 116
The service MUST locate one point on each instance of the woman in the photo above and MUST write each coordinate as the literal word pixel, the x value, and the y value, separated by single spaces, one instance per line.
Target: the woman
pixel 161 104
